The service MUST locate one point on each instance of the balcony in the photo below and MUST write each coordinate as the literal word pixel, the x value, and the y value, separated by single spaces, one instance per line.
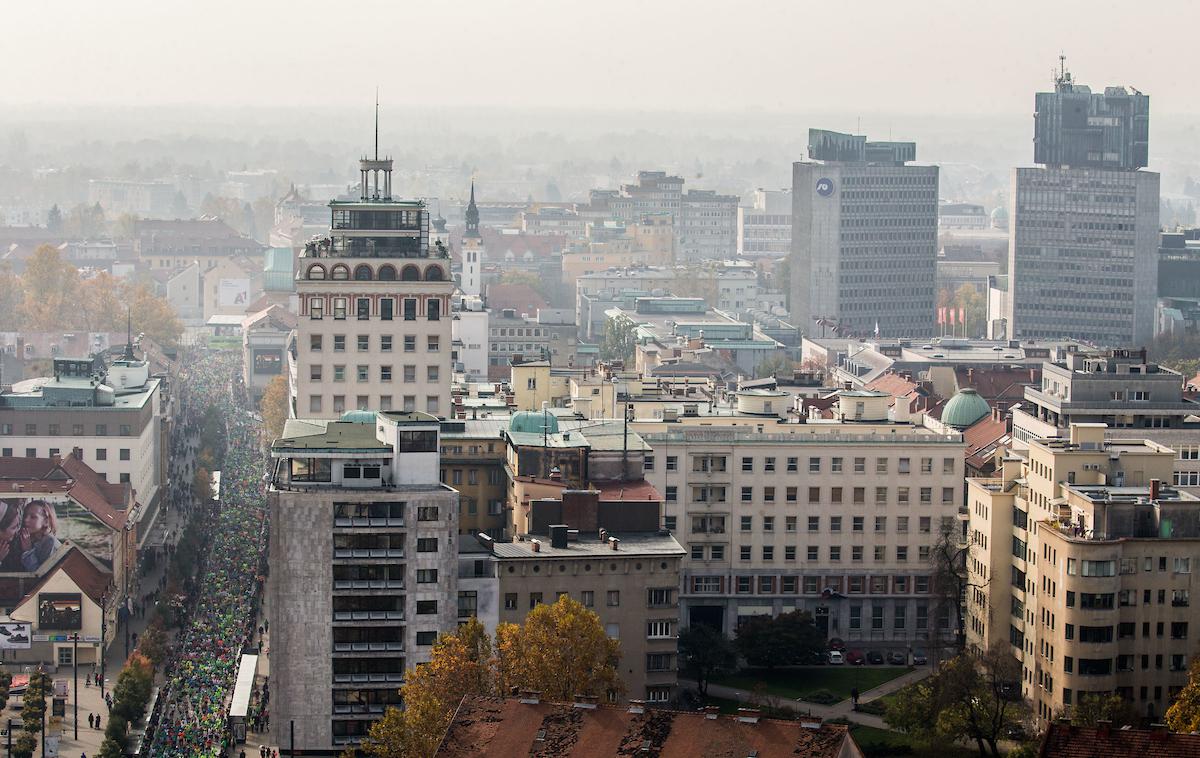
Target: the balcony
pixel 368 584
pixel 368 615
pixel 391 676
pixel 368 647
pixel 368 553
pixel 372 523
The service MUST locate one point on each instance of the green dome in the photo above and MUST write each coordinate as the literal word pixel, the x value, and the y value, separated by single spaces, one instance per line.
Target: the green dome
pixel 359 417
pixel 533 421
pixel 964 409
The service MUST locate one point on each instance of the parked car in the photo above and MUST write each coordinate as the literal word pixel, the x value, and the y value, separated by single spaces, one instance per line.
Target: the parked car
pixel 855 658
pixel 836 658
pixel 897 658
pixel 919 658
pixel 875 658
pixel 814 658
pixel 836 643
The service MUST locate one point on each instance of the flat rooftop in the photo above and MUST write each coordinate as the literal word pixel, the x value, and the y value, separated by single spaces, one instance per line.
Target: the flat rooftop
pixel 637 544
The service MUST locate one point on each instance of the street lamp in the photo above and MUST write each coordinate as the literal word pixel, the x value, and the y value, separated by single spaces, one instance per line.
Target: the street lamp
pixel 75 668
pixel 103 636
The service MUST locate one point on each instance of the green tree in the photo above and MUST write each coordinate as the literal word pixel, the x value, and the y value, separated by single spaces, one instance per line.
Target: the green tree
pixel 115 733
pixel 152 315
pixel 783 640
pixel 705 653
pixel 949 584
pixel 619 340
pixel 969 698
pixel 24 745
pixel 153 642
pixel 1093 708
pixel 132 691
pixel 774 366
pixel 54 219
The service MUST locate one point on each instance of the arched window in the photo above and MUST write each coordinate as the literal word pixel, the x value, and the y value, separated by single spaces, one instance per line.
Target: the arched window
pixel 410 273
pixel 316 271
pixel 387 273
pixel 434 274
pixel 362 273
pixel 340 272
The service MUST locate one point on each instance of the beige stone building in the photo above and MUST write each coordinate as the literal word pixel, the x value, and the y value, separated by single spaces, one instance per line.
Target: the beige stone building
pixel 1080 555
pixel 613 561
pixel 835 517
pixel 374 326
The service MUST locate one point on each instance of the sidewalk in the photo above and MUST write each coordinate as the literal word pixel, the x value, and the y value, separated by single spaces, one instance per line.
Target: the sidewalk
pixel 844 709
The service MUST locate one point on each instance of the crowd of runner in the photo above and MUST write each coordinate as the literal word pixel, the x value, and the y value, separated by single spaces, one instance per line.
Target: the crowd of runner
pixel 189 717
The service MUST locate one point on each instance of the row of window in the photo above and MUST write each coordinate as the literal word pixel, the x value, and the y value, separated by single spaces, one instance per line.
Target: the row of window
pixel 858 495
pixel 836 464
pixel 101 455
pixel 703 551
pixel 363 312
pixel 362 342
pixel 386 273
pixel 363 403
pixel 656 597
pixel 710 524
pixel 55 430
pixel 362 373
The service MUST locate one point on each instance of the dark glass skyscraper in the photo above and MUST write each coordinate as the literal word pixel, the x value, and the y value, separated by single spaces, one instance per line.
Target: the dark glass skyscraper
pixel 1077 128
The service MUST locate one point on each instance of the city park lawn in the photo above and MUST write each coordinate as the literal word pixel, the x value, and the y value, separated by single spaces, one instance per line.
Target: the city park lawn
pixel 798 683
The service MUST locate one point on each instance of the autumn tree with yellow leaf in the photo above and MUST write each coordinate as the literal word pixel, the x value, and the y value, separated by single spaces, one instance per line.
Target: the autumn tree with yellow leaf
pixel 561 650
pixel 1184 713
pixel 274 407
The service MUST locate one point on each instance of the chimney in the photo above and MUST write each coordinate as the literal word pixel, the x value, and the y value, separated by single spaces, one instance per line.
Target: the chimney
pixel 1032 375
pixel 1155 489
pixel 748 715
pixel 1159 732
pixel 614 543
pixel 558 536
pixel 603 535
pixel 637 706
pixel 1103 727
pixel 537 545
pixel 711 712
pixel 531 697
pixel 586 701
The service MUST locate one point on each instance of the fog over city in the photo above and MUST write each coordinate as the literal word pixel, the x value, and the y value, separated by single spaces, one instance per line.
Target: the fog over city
pixel 446 378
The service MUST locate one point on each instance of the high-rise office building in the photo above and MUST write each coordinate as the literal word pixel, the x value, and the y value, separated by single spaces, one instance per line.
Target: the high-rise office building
pixel 864 237
pixel 1083 245
pixel 374 322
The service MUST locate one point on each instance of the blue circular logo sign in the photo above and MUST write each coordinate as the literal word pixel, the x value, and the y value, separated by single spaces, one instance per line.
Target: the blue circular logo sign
pixel 824 186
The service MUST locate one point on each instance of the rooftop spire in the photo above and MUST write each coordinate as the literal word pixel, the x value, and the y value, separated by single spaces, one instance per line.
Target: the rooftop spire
pixel 129 356
pixel 377 122
pixel 472 215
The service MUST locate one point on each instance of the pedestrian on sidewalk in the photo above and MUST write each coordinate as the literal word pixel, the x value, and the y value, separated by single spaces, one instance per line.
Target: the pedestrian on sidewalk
pixel 854 698
pixel 91 721
pixel 97 720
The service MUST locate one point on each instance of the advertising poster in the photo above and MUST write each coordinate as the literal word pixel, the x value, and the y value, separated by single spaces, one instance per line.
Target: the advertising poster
pixel 29 532
pixel 16 635
pixel 233 292
pixel 60 610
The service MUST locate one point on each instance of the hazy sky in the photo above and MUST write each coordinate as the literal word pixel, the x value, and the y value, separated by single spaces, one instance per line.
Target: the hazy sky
pixel 924 56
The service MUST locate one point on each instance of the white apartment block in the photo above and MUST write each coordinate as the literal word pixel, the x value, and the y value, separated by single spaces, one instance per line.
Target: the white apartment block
pixel 836 518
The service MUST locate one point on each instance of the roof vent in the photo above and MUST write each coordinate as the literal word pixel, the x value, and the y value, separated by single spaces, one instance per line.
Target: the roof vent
pixel 711 712
pixel 531 697
pixel 748 715
pixel 587 702
pixel 637 706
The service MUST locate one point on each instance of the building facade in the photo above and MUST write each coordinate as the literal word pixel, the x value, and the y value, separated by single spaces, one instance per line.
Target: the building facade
pixel 365 568
pixel 765 225
pixel 1083 245
pixel 864 237
pixel 707 226
pixel 1080 563
pixel 838 519
pixel 374 327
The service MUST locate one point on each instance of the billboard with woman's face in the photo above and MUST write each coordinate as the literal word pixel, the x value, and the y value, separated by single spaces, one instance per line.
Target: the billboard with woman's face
pixel 29 533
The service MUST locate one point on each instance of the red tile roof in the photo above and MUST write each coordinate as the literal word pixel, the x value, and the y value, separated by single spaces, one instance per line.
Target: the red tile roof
pixel 983 436
pixel 640 490
pixel 920 398
pixel 998 382
pixel 503 727
pixel 520 297
pixel 1067 741
pixel 107 501
pixel 88 576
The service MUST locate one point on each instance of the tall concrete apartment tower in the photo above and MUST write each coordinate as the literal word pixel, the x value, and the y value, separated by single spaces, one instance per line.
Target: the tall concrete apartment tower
pixel 374 325
pixel 1083 243
pixel 472 251
pixel 364 556
pixel 864 237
